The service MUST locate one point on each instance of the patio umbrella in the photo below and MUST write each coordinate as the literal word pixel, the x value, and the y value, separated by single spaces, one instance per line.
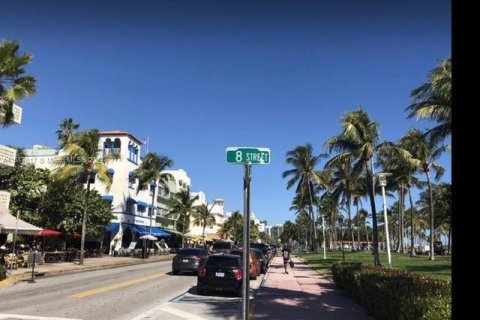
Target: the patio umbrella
pixel 148 237
pixel 47 233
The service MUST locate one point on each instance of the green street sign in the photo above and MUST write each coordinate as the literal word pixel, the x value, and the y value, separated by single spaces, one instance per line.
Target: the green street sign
pixel 247 155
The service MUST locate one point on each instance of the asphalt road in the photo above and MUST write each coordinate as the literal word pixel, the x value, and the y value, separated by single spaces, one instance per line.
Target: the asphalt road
pixel 127 293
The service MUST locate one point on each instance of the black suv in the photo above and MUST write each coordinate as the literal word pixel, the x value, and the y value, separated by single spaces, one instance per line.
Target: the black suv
pixel 223 247
pixel 221 272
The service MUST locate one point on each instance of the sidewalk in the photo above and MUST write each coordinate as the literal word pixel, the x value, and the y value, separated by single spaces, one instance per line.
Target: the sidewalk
pixel 104 262
pixel 303 294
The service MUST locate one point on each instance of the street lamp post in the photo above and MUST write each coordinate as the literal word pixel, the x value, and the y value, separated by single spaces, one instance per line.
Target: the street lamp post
pixel 340 222
pixel 382 181
pixel 324 242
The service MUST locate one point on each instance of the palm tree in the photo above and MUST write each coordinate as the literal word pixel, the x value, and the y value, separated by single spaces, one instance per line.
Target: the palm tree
pixel 233 226
pixel 358 141
pixel 204 217
pixel 425 150
pixel 182 205
pixel 345 184
pixel 433 100
pixel 149 172
pixel 79 163
pixel 304 176
pixel 66 131
pixel 14 84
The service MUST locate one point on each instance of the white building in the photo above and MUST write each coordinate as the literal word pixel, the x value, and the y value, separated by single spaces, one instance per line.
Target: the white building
pixel 132 208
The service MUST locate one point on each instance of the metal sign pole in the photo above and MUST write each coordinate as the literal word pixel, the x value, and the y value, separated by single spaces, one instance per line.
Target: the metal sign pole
pixel 246 241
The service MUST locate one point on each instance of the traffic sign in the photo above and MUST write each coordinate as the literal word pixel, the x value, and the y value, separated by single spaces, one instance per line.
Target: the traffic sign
pixel 247 155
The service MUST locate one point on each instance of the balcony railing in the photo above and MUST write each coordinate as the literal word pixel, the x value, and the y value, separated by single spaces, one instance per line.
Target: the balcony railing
pixel 7 156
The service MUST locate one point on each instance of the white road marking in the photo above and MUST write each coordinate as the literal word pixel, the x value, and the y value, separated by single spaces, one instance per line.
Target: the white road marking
pixel 25 317
pixel 167 309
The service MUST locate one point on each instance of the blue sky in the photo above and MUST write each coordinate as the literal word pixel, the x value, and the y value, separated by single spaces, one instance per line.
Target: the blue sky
pixel 199 76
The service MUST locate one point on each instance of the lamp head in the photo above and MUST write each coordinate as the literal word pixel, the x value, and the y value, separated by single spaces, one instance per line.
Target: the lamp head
pixel 382 178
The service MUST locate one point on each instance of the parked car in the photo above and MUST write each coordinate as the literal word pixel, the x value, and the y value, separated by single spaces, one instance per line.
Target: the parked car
pixel 265 249
pixel 254 263
pixel 221 272
pixel 223 246
pixel 261 258
pixel 190 259
pixel 438 247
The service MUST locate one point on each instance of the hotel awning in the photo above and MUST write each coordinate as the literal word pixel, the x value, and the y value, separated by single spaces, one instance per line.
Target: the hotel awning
pixel 8 223
pixel 142 204
pixel 107 198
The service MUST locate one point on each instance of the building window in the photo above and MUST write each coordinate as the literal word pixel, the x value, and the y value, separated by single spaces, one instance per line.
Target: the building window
pixel 141 209
pixel 130 207
pixel 117 145
pixel 107 147
pixel 133 153
pixel 131 180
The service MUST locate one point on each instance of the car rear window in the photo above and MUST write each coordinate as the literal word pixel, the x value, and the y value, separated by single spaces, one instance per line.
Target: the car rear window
pixel 190 252
pixel 222 261
pixel 222 245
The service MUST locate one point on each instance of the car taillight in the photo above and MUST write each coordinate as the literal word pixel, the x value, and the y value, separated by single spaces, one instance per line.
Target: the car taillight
pixel 202 272
pixel 238 274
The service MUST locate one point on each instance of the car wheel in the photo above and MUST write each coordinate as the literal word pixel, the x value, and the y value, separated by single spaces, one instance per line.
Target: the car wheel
pixel 200 292
pixel 175 271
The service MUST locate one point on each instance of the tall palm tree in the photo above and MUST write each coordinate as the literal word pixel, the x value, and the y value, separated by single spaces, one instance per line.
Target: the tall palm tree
pixel 204 217
pixel 15 85
pixel 233 226
pixel 425 150
pixel 182 206
pixel 81 162
pixel 433 100
pixel 66 131
pixel 149 172
pixel 345 184
pixel 358 141
pixel 304 175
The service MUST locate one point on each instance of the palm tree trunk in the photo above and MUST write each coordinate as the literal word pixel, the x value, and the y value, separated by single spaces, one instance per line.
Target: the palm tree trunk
pixel 449 236
pixel 84 221
pixel 402 223
pixel 432 226
pixel 399 208
pixel 312 214
pixel 203 233
pixel 371 193
pixel 350 220
pixel 412 225
pixel 358 230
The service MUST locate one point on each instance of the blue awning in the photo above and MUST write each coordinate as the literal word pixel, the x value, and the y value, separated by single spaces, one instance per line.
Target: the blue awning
pixel 135 228
pixel 114 227
pixel 142 204
pixel 131 200
pixel 107 198
pixel 110 171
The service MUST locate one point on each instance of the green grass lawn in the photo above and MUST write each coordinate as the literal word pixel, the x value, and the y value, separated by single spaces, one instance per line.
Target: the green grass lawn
pixel 440 268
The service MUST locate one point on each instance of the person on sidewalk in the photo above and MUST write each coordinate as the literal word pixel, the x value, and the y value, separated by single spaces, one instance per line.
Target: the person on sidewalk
pixel 286 256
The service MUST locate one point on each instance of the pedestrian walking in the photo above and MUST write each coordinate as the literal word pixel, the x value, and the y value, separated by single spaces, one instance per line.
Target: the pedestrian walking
pixel 286 252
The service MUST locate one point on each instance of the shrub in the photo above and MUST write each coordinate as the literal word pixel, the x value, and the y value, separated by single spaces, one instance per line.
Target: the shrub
pixel 395 293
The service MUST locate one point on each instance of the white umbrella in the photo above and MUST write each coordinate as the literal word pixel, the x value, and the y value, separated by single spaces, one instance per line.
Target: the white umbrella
pixel 148 237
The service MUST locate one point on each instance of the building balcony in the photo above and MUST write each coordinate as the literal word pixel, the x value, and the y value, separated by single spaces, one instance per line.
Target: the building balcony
pixel 5 198
pixel 17 115
pixel 7 156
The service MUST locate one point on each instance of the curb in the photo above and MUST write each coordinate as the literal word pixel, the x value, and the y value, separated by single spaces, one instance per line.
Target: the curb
pixel 251 314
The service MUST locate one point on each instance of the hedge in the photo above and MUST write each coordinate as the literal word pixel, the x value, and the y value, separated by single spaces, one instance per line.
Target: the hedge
pixel 395 293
